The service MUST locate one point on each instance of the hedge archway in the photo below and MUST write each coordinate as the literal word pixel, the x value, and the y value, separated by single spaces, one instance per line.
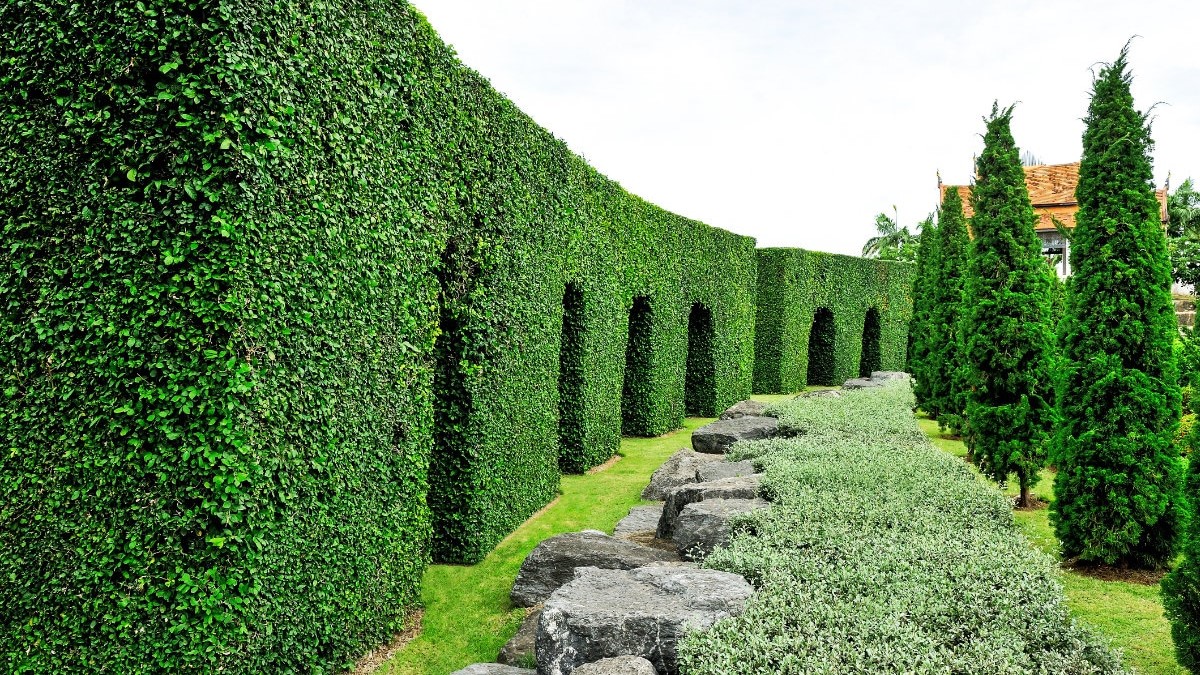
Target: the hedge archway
pixel 872 356
pixel 700 380
pixel 451 412
pixel 821 342
pixel 571 457
pixel 637 392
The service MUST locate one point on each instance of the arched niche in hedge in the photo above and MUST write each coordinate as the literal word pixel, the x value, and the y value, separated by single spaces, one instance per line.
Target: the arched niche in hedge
pixel 822 339
pixel 637 392
pixel 872 353
pixel 571 457
pixel 452 408
pixel 700 380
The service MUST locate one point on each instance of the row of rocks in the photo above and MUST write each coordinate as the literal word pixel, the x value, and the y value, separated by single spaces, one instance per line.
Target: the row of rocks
pixel 620 604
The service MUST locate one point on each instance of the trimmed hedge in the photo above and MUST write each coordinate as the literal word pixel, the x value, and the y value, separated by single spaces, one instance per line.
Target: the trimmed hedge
pixel 882 554
pixel 286 313
pixel 219 222
pixel 241 242
pixel 793 284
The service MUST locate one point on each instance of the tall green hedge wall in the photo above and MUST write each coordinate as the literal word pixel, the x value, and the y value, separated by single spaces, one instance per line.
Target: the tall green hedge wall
pixel 241 242
pixel 793 284
pixel 281 299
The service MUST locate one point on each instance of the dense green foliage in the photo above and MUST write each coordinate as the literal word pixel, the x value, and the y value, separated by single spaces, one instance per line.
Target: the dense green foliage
pixel 1007 332
pixel 1181 587
pixel 1117 495
pixel 793 284
pixel 213 457
pixel 946 370
pixel 923 347
pixel 880 554
pixel 241 243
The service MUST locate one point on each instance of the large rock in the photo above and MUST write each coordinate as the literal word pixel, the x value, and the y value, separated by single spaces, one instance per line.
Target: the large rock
pixel 718 470
pixel 641 612
pixel 552 563
pixel 618 665
pixel 679 468
pixel 519 650
pixel 641 519
pixel 862 383
pixel 890 375
pixel 703 526
pixel 493 669
pixel 742 487
pixel 744 409
pixel 718 436
pixel 821 393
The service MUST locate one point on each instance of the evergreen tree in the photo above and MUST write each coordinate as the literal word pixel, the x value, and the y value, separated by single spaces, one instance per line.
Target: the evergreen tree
pixel 1117 489
pixel 948 358
pixel 920 329
pixel 1007 334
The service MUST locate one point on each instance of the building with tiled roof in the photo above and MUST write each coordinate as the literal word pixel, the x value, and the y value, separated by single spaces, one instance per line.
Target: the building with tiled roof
pixel 1052 192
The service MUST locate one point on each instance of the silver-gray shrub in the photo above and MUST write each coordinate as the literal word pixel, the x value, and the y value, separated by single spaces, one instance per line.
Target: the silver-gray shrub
pixel 883 554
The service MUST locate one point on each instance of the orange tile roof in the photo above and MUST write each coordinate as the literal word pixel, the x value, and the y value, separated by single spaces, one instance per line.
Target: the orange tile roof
pixel 1052 183
pixel 1052 193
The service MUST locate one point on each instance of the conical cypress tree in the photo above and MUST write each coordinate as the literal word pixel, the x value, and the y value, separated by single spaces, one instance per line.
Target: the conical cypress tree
pixel 1117 489
pixel 948 359
pixel 1009 408
pixel 920 328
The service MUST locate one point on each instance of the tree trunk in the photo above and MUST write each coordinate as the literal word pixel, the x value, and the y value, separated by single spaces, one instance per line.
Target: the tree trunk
pixel 1024 501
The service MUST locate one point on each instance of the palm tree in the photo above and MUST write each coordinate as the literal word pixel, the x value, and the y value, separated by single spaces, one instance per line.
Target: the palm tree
pixel 894 242
pixel 1183 211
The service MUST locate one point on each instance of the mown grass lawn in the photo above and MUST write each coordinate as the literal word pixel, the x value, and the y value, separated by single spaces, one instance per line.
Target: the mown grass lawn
pixel 1130 615
pixel 468 617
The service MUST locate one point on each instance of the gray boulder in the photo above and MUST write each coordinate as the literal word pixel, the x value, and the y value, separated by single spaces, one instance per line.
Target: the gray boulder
pixel 642 612
pixel 703 526
pixel 680 468
pixel 741 487
pixel 641 519
pixel 821 393
pixel 718 436
pixel 493 669
pixel 618 665
pixel 552 563
pixel 861 383
pixel 519 650
pixel 718 470
pixel 890 375
pixel 744 409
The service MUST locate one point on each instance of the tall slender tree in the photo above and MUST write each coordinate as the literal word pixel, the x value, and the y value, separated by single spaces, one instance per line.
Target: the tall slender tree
pixel 921 328
pixel 1008 341
pixel 947 389
pixel 1117 489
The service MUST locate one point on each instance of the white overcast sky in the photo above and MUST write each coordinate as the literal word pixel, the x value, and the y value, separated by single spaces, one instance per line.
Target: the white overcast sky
pixel 796 122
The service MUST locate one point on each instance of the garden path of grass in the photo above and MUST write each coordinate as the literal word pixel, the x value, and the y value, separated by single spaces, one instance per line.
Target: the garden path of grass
pixel 1130 615
pixel 468 617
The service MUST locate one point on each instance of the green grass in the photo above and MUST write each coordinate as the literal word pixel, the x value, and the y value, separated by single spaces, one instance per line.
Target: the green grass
pixel 468 617
pixel 1130 615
